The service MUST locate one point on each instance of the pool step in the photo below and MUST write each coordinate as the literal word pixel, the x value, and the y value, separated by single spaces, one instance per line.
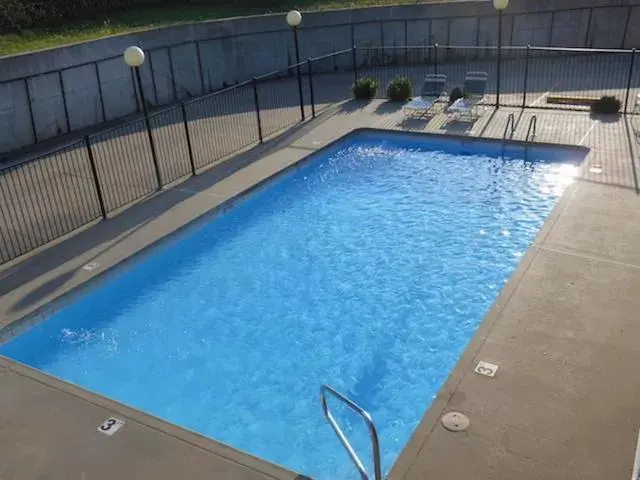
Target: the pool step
pixel 375 444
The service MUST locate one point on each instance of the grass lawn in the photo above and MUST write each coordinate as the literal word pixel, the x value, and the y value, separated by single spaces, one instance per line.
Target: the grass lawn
pixel 157 17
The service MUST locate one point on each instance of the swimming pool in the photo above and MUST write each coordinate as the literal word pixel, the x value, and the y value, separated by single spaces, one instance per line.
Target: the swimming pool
pixel 368 267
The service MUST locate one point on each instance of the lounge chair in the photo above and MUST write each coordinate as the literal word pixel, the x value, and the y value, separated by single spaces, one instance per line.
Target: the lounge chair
pixel 432 89
pixel 475 87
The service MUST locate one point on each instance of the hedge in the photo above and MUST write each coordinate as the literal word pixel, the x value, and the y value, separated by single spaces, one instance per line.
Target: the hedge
pixel 20 15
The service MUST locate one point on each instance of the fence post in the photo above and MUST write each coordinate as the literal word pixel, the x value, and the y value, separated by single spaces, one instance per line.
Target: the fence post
pixel 298 74
pixel 355 63
pixel 94 174
pixel 254 83
pixel 147 123
pixel 526 76
pixel 188 135
pixel 435 57
pixel 311 96
pixel 499 65
pixel 154 155
pixel 406 41
pixel 626 99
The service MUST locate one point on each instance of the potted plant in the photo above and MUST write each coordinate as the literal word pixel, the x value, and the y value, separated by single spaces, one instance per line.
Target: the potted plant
pixel 455 94
pixel 606 105
pixel 364 88
pixel 399 89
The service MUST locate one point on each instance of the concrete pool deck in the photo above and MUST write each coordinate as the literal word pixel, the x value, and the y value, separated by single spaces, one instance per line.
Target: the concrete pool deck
pixel 562 405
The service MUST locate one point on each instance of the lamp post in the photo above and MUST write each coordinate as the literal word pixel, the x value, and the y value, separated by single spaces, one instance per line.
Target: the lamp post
pixel 134 57
pixel 294 19
pixel 499 5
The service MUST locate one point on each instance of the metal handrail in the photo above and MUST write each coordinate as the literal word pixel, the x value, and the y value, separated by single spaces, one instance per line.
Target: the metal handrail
pixel 581 49
pixel 531 129
pixel 510 121
pixel 343 439
pixel 332 54
pixel 502 47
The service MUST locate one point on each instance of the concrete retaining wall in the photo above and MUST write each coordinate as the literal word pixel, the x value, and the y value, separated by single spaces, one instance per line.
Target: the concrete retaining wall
pixel 50 93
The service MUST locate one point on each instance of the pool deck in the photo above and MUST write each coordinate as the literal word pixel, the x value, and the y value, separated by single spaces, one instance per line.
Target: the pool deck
pixel 564 331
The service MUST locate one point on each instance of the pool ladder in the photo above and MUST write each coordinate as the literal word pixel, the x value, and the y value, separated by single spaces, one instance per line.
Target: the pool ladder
pixel 531 129
pixel 375 443
pixel 531 132
pixel 511 122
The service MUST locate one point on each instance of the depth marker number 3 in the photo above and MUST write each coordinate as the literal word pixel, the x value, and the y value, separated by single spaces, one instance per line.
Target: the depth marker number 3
pixel 110 426
pixel 487 369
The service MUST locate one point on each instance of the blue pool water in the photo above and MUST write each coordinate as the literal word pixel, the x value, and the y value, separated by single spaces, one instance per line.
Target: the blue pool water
pixel 368 268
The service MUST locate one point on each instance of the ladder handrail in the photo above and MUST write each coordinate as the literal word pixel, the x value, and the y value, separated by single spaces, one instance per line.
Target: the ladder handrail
pixel 533 121
pixel 510 121
pixel 343 439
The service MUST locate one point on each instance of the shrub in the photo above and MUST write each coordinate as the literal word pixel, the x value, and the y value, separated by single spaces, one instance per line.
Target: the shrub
pixel 365 88
pixel 455 94
pixel 399 89
pixel 606 104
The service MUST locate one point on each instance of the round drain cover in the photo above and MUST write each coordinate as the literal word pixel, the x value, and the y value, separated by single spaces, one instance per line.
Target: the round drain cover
pixel 455 421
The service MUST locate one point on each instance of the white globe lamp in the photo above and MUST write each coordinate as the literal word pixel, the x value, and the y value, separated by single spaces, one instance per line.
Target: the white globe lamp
pixel 294 18
pixel 134 56
pixel 500 4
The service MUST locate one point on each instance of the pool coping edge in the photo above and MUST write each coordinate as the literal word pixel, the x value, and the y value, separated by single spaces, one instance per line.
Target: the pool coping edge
pixel 227 452
pixel 439 406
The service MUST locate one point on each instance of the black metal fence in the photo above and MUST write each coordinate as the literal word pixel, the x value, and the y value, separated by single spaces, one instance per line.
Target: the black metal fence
pixel 57 102
pixel 533 77
pixel 45 199
pixel 51 195
pixel 54 194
